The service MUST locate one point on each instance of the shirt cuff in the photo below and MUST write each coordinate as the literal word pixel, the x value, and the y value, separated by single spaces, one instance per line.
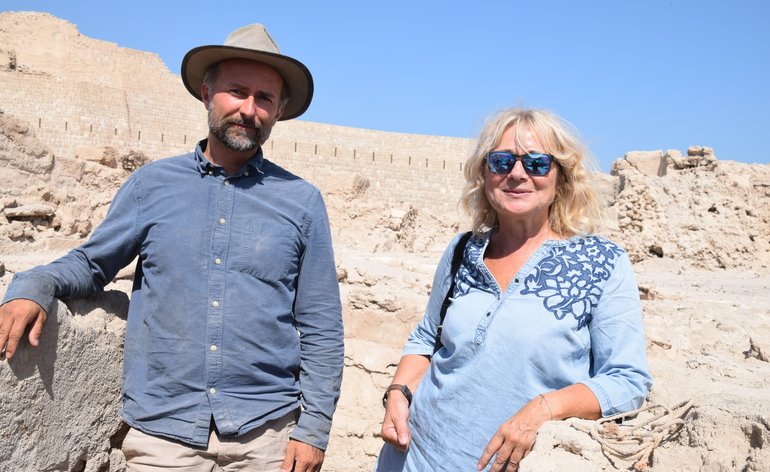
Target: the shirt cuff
pixel 419 349
pixel 39 291
pixel 312 430
pixel 623 401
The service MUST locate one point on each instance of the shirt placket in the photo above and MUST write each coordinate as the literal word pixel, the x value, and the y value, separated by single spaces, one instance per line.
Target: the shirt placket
pixel 501 295
pixel 483 326
pixel 216 302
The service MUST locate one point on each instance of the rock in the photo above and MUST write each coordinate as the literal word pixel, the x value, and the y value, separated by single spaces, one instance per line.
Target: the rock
pixel 61 400
pixel 650 163
pixel 700 151
pixel 104 155
pixel 360 185
pixel 754 351
pixel 133 160
pixel 29 211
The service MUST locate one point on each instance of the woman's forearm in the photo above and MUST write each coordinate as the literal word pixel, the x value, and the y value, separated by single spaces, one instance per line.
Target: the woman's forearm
pixel 574 401
pixel 411 369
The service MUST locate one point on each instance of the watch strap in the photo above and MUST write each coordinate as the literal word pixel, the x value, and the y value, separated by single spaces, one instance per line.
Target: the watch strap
pixel 402 388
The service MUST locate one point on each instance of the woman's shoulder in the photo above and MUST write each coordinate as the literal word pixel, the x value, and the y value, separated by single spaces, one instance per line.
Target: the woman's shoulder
pixel 590 250
pixel 583 242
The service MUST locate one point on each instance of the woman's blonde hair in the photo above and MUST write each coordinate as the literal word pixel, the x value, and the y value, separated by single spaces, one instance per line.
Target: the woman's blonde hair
pixel 576 208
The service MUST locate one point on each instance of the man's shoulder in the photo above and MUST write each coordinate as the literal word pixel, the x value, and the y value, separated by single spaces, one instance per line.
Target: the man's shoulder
pixel 280 176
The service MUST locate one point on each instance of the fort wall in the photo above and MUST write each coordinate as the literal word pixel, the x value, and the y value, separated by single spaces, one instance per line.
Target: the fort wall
pixel 76 92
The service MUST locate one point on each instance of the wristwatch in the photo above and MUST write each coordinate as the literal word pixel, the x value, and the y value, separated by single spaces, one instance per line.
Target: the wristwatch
pixel 402 388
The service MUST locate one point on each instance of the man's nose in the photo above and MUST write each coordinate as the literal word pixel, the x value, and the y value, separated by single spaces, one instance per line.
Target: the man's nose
pixel 248 107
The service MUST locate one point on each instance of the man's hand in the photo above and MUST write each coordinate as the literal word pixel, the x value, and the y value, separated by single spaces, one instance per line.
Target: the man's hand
pixel 394 428
pixel 301 457
pixel 15 316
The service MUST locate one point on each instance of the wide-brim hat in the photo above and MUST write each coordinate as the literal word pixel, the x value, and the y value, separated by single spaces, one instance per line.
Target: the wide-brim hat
pixel 254 43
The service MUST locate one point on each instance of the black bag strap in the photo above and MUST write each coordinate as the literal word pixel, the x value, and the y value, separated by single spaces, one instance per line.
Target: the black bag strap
pixel 457 260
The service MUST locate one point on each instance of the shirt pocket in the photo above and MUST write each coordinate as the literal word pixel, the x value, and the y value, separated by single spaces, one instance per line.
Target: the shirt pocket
pixel 267 251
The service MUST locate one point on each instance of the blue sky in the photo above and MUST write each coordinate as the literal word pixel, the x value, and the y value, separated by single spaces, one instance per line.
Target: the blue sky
pixel 630 75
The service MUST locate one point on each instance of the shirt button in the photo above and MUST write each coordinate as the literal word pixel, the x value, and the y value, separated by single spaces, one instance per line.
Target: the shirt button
pixel 221 221
pixel 227 182
pixel 215 303
pixel 212 390
pixel 217 261
pixel 211 172
pixel 213 347
pixel 246 173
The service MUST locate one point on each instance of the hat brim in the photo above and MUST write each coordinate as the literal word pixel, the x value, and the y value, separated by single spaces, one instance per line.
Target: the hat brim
pixel 295 75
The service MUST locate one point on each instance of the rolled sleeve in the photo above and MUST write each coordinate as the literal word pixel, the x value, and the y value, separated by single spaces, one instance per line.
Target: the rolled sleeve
pixel 28 287
pixel 620 377
pixel 86 270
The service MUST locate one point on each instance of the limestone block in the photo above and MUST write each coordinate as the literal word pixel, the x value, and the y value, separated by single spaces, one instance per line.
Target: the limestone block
pixel 697 156
pixel 61 400
pixel 699 151
pixel 650 163
pixel 618 166
pixel 104 155
pixel 39 210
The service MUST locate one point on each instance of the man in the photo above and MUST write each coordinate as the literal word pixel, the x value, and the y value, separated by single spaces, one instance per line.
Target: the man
pixel 234 349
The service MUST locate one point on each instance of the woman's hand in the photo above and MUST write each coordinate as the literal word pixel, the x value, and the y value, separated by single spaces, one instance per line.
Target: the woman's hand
pixel 410 371
pixel 516 437
pixel 394 427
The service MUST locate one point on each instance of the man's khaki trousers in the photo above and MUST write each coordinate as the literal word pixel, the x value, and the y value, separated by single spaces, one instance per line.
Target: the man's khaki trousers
pixel 259 450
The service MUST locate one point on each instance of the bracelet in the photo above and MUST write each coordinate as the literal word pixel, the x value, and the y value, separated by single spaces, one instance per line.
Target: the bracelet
pixel 401 388
pixel 550 412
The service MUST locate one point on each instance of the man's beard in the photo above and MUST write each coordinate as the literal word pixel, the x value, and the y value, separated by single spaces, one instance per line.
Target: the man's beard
pixel 236 139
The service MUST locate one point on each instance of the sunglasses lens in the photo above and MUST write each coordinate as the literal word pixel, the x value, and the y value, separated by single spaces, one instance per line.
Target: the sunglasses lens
pixel 537 164
pixel 500 162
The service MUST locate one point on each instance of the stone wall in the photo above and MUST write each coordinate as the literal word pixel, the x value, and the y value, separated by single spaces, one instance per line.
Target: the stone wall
pixel 74 91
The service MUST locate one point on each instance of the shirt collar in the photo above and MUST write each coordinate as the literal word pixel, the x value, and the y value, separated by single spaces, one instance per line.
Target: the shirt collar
pixel 204 165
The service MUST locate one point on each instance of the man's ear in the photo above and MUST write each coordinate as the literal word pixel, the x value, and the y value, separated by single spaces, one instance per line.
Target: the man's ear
pixel 205 94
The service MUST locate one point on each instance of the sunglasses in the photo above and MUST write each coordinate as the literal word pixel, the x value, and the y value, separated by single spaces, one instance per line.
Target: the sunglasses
pixel 534 163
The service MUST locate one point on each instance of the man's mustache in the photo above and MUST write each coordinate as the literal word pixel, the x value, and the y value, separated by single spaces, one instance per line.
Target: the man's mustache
pixel 247 123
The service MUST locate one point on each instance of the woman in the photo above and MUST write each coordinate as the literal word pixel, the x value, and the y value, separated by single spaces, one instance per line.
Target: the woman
pixel 545 321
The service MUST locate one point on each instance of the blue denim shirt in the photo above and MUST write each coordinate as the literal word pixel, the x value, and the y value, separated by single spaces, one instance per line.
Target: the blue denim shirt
pixel 571 315
pixel 235 311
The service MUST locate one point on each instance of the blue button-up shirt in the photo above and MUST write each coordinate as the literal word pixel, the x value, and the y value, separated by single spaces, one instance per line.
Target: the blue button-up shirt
pixel 571 315
pixel 235 312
